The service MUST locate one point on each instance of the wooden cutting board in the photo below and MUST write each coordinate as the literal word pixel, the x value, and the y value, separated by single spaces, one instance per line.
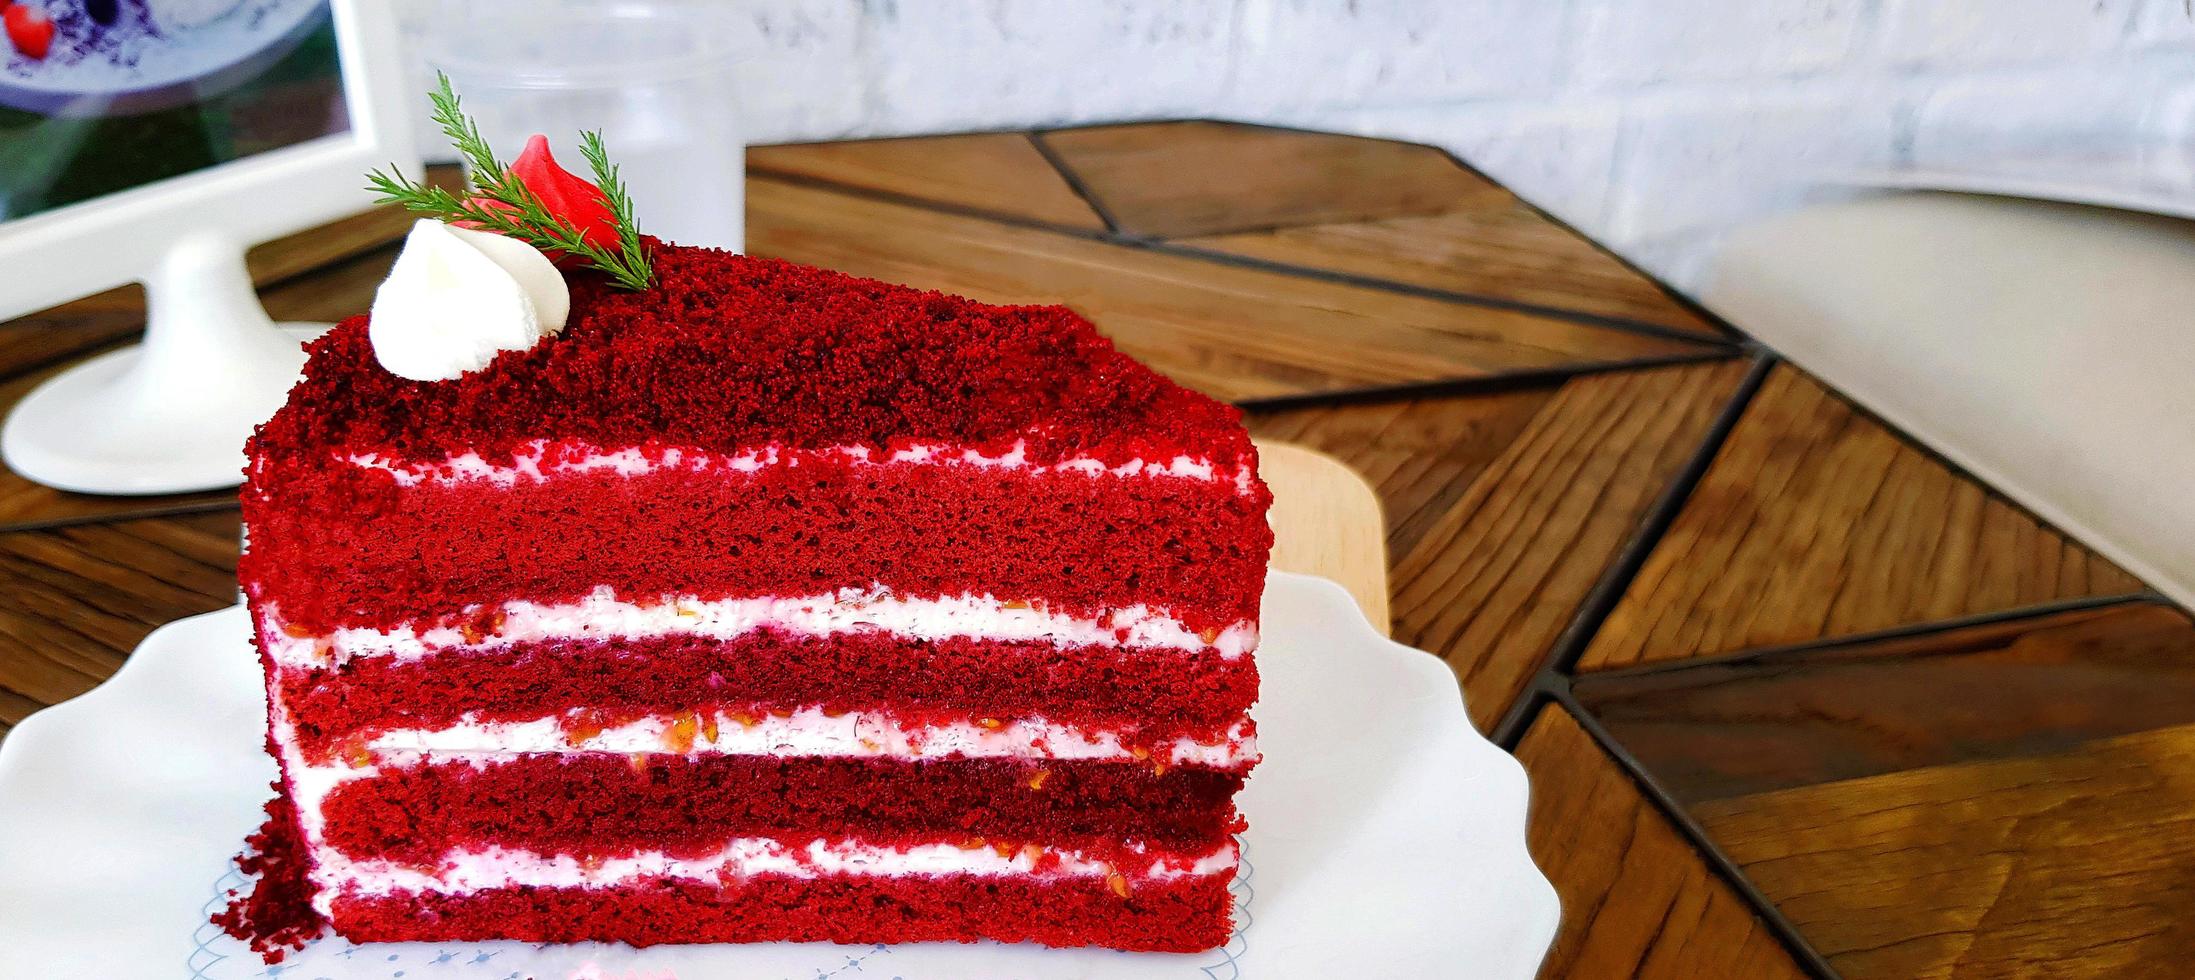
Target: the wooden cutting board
pixel 1327 522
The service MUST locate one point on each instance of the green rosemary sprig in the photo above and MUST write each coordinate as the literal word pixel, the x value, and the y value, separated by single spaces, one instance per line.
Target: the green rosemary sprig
pixel 606 176
pixel 464 133
pixel 523 216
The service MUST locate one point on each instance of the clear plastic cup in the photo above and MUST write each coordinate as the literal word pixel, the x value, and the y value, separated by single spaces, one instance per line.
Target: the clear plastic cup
pixel 654 77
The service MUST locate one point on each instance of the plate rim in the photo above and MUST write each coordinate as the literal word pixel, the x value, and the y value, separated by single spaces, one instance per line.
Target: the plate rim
pixel 1515 820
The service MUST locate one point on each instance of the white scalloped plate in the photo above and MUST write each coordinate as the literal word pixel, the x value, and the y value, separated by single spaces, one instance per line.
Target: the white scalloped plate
pixel 1386 837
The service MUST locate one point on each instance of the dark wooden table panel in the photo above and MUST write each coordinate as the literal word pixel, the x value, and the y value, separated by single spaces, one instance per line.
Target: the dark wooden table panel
pixel 79 598
pixel 13 709
pixel 1236 333
pixel 70 330
pixel 314 251
pixel 1495 248
pixel 1504 509
pixel 2063 865
pixel 994 173
pixel 1245 178
pixel 1497 580
pixel 1637 902
pixel 1816 522
pixel 2023 686
pixel 336 291
pixel 1356 208
pixel 1421 454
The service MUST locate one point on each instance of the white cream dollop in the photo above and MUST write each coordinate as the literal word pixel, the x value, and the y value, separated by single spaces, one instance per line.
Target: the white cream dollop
pixel 457 297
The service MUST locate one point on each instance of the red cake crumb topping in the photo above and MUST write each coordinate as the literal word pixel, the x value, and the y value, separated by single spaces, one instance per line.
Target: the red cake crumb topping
pixel 729 351
pixel 278 915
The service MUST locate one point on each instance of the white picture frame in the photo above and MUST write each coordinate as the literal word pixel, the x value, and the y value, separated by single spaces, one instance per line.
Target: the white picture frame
pixel 171 414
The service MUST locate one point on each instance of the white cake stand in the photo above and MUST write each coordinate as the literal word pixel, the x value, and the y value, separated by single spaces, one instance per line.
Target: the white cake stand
pixel 169 415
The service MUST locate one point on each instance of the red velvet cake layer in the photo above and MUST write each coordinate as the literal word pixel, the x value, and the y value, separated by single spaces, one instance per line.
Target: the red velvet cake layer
pixel 1081 544
pixel 999 438
pixel 603 806
pixel 1176 915
pixel 728 351
pixel 1159 695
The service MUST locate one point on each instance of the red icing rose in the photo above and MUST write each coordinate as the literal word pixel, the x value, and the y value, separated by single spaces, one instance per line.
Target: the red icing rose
pixel 570 198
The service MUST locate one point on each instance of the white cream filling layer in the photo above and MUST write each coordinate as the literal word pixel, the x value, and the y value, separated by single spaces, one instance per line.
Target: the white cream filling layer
pixel 604 616
pixel 309 789
pixel 814 734
pixel 464 872
pixel 543 460
pixel 810 732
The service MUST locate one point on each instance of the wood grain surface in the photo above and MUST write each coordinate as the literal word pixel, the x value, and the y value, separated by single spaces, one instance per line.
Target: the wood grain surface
pixel 996 173
pixel 1234 333
pixel 2074 864
pixel 70 330
pixel 314 251
pixel 1421 454
pixel 2024 686
pixel 1816 521
pixel 79 598
pixel 1250 177
pixel 1488 246
pixel 1507 509
pixel 1495 583
pixel 1636 900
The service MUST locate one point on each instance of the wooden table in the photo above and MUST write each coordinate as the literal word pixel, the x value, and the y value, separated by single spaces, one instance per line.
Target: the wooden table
pixel 1797 697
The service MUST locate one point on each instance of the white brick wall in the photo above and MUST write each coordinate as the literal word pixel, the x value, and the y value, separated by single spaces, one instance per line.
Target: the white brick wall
pixel 1653 124
pixel 1292 54
pixel 1695 166
pixel 1939 34
pixel 1630 43
pixel 2116 115
pixel 964 65
pixel 792 66
pixel 2163 23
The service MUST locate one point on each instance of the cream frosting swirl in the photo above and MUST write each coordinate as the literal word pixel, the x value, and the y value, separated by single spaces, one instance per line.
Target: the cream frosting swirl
pixel 458 297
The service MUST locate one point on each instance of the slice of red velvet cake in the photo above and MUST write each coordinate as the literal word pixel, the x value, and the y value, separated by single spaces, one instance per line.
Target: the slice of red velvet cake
pixel 764 603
